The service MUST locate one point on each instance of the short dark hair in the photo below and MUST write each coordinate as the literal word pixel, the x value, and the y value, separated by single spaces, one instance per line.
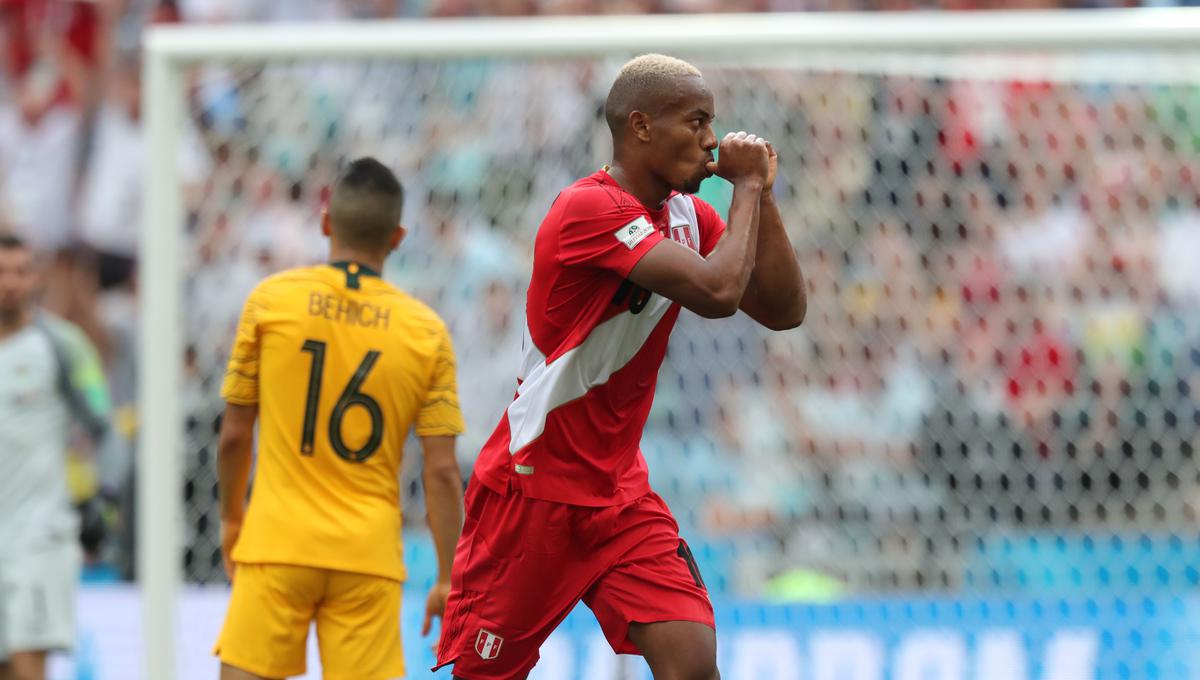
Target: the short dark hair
pixel 365 205
pixel 11 242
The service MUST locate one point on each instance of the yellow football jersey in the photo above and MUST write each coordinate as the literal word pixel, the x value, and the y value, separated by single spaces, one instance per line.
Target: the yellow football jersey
pixel 342 365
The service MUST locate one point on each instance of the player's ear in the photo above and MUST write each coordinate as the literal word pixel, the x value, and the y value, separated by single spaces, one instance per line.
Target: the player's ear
pixel 639 125
pixel 326 227
pixel 397 236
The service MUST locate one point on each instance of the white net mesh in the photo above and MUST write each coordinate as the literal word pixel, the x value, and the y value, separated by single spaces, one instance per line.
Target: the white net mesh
pixel 996 386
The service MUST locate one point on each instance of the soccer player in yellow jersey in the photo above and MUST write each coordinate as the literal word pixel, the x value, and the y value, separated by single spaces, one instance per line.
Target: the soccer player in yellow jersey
pixel 336 366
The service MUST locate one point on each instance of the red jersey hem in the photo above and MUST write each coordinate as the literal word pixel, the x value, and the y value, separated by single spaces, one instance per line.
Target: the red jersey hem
pixel 569 497
pixel 491 482
pixel 533 490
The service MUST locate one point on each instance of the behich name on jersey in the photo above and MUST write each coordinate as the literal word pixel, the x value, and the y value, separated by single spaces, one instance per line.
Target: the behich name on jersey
pixel 340 309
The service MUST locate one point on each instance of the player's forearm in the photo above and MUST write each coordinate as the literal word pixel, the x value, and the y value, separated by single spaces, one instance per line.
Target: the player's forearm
pixel 233 479
pixel 777 298
pixel 234 458
pixel 731 263
pixel 443 499
pixel 444 507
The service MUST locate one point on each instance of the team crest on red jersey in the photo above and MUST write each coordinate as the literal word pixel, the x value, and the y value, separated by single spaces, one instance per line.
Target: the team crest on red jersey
pixel 487 644
pixel 683 236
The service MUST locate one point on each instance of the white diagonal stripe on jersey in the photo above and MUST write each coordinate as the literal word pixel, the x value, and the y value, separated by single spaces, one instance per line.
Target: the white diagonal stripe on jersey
pixel 531 356
pixel 608 348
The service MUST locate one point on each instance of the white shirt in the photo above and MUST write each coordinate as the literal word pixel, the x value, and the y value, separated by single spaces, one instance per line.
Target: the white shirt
pixel 35 506
pixel 110 203
pixel 37 168
pixel 1177 247
pixel 110 206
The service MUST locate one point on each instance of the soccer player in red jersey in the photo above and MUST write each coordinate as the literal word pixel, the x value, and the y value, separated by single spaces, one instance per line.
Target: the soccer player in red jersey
pixel 560 508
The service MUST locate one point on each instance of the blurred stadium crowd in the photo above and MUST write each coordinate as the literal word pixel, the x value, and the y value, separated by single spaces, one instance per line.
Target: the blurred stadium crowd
pixel 1002 336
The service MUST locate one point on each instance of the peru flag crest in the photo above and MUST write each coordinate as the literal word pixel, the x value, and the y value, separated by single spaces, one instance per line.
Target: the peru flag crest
pixel 487 644
pixel 682 235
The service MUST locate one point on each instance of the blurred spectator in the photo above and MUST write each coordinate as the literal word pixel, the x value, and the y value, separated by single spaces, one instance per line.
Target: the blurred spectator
pixel 110 200
pixel 53 54
pixel 57 45
pixel 39 144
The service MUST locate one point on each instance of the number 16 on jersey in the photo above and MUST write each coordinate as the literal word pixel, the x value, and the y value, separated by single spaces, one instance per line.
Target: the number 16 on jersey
pixel 351 396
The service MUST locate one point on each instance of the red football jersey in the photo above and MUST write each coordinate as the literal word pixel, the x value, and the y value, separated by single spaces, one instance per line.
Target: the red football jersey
pixel 593 345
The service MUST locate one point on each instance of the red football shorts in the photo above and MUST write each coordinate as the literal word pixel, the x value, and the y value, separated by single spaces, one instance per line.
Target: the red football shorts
pixel 522 564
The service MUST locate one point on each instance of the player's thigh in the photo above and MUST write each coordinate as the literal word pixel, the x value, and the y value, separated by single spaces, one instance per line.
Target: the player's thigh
pixel 270 609
pixel 515 577
pixel 37 603
pixel 656 580
pixel 230 673
pixel 358 628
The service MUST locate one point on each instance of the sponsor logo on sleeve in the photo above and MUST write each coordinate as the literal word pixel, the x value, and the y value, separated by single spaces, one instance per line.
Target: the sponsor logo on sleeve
pixel 635 232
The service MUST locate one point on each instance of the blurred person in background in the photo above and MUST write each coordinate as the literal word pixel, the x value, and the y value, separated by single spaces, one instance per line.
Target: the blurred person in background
pixel 110 198
pixel 39 146
pixel 52 55
pixel 52 377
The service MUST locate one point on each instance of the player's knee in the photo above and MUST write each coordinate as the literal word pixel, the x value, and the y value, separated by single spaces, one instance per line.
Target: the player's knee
pixel 689 668
pixel 27 667
pixel 233 673
pixel 26 673
pixel 703 672
pixel 706 670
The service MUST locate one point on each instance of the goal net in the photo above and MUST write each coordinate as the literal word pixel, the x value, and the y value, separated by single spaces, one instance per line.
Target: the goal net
pixel 996 387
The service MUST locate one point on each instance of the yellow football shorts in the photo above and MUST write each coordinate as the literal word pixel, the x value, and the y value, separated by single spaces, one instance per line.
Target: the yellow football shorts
pixel 272 605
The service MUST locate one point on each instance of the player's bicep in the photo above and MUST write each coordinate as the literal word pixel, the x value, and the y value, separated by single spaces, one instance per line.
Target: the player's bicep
pixel 680 274
pixel 439 457
pixel 237 425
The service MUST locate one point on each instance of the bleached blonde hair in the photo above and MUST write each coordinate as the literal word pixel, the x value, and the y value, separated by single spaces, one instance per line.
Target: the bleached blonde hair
pixel 656 66
pixel 641 81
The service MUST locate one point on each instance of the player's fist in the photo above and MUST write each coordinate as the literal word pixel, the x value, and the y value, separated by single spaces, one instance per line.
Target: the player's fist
pixel 742 157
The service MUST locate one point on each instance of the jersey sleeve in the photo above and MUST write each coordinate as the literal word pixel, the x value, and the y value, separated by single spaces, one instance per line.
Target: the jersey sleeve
pixel 241 375
pixel 712 227
pixel 603 231
pixel 87 377
pixel 440 415
pixel 82 376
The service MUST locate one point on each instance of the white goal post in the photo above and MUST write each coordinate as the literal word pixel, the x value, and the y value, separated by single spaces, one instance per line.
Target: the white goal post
pixel 171 50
